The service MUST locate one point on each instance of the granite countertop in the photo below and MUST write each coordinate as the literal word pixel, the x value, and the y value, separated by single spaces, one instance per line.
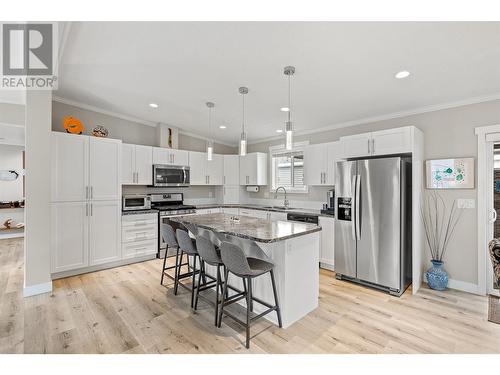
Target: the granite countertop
pixel 265 208
pixel 250 228
pixel 137 212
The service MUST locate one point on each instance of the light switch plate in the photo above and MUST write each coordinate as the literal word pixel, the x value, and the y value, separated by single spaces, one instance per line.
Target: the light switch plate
pixel 466 203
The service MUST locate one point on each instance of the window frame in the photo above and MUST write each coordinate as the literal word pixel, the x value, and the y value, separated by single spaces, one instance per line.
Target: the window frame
pixel 298 147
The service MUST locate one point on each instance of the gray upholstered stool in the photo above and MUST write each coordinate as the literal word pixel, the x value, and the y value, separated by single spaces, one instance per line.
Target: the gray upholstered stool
pixel 186 246
pixel 209 255
pixel 247 268
pixel 168 235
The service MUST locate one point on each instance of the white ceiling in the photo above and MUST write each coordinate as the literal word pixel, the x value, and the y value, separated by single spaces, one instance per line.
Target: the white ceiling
pixel 344 71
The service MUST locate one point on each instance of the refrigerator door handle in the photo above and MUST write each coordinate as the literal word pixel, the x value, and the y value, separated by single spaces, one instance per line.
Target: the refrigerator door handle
pixel 353 207
pixel 357 214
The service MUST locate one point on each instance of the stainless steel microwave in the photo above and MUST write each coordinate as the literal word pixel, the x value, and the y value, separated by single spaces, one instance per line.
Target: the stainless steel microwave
pixel 170 175
pixel 136 202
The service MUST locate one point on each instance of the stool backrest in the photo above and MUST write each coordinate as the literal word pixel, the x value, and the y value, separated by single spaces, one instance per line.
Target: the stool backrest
pixel 168 235
pixel 206 250
pixel 192 228
pixel 185 242
pixel 234 259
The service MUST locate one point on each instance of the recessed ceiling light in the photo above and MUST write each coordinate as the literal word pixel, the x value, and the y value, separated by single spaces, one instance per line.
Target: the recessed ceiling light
pixel 279 130
pixel 222 127
pixel 402 74
pixel 153 105
pixel 285 109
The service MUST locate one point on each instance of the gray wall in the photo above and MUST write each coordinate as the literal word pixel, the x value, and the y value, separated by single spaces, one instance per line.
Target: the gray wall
pixel 140 134
pixel 448 133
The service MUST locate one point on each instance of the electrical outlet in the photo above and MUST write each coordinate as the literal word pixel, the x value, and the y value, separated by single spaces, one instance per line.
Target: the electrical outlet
pixel 466 203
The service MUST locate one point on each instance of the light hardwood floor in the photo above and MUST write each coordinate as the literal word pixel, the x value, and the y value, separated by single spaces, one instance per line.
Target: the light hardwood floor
pixel 125 310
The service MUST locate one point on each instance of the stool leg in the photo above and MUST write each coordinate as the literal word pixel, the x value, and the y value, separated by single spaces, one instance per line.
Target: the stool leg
pixel 177 273
pixel 224 293
pixel 163 269
pixel 249 302
pixel 226 276
pixel 199 284
pixel 217 283
pixel 278 311
pixel 193 280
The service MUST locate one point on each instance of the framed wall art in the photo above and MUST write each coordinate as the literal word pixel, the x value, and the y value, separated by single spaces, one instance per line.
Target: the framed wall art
pixel 450 173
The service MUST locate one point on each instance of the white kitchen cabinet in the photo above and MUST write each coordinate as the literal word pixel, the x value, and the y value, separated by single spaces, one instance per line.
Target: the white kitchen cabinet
pixel 383 142
pixel 261 214
pixel 70 167
pixel 231 194
pixel 230 210
pixel 139 235
pixel 137 165
pixel 253 169
pixel 326 255
pixel 319 163
pixel 205 211
pixel 277 216
pixel 105 232
pixel 231 170
pixel 170 156
pixel 204 172
pixel 69 236
pixel 105 168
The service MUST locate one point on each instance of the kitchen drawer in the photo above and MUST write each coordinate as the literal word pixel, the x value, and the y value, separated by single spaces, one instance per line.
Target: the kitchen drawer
pixel 139 248
pixel 139 220
pixel 148 232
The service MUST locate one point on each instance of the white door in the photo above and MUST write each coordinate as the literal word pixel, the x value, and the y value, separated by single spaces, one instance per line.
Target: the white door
pixel 314 164
pixel 105 169
pixel 69 167
pixel 356 145
pixel 198 168
pixel 326 254
pixel 143 165
pixel 179 157
pixel 105 232
pixel 69 236
pixel 245 169
pixel 128 164
pixel 231 194
pixel 231 170
pixel 215 170
pixel 392 141
pixel 333 154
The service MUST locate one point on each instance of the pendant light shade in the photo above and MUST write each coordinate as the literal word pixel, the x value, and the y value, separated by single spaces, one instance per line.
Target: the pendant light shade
pixel 210 142
pixel 289 72
pixel 243 138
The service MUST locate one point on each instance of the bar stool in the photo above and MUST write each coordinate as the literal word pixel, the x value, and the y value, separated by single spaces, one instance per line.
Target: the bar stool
pixel 168 236
pixel 186 246
pixel 247 268
pixel 209 255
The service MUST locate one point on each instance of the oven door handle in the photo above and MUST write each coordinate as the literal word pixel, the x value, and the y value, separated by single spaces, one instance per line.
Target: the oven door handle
pixel 185 177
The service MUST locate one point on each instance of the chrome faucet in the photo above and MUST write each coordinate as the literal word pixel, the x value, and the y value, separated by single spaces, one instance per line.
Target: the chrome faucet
pixel 285 202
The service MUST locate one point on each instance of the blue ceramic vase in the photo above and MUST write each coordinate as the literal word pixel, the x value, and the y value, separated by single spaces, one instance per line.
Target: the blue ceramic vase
pixel 437 278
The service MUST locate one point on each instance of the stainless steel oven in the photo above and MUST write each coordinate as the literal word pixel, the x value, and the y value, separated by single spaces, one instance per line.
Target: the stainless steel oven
pixel 136 202
pixel 171 175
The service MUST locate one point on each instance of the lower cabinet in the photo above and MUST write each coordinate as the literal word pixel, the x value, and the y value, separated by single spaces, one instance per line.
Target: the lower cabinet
pixel 84 234
pixel 139 235
pixel 326 254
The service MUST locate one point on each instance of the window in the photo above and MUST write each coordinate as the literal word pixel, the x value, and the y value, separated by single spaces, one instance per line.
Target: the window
pixel 287 168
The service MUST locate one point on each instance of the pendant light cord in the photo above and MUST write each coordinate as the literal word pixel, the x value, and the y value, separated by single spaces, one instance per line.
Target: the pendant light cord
pixel 289 98
pixel 243 118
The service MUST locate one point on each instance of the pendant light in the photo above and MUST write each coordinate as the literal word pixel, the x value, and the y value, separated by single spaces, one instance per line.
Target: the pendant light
pixel 289 71
pixel 243 139
pixel 210 142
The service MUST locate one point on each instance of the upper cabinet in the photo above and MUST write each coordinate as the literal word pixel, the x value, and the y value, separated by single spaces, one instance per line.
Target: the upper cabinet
pixel 231 170
pixel 137 164
pixel 253 169
pixel 384 142
pixel 170 156
pixel 204 172
pixel 85 168
pixel 319 163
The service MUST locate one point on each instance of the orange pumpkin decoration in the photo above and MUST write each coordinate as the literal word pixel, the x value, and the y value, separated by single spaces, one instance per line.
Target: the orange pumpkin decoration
pixel 73 125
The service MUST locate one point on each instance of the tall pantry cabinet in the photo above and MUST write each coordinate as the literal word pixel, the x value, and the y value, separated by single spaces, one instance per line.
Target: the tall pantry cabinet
pixel 85 201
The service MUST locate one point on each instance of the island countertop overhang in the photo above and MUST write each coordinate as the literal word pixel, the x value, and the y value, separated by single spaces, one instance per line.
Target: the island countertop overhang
pixel 255 229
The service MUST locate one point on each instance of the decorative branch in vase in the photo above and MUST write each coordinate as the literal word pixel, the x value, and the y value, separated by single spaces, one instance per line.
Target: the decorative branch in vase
pixel 440 222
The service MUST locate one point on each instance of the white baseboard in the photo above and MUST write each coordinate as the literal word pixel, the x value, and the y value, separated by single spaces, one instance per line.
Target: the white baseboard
pixel 5 236
pixel 326 266
pixel 33 290
pixel 460 285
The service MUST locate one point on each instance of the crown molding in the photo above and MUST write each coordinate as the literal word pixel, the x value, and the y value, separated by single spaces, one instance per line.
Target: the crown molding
pixel 389 116
pixel 121 116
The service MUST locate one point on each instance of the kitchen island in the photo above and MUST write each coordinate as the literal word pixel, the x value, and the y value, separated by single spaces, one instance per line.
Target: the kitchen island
pixel 292 246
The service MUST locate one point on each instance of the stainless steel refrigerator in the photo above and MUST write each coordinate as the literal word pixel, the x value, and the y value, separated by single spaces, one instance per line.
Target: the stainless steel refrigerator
pixel 373 222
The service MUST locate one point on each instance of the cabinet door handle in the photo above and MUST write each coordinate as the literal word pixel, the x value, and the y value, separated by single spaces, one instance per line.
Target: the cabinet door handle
pixel 373 145
pixel 91 209
pixel 86 209
pixel 91 192
pixel 368 146
pixel 224 180
pixel 86 192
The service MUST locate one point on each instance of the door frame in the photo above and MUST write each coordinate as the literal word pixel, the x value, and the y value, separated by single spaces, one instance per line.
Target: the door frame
pixel 486 137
